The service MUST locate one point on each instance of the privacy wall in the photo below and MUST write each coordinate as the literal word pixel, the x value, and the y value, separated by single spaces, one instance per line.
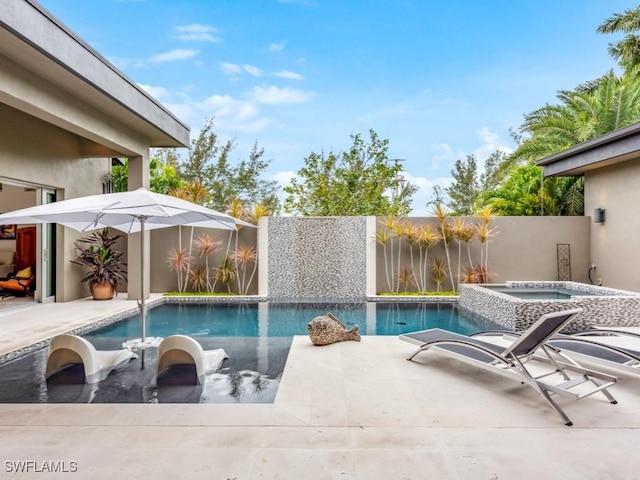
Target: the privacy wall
pixel 316 257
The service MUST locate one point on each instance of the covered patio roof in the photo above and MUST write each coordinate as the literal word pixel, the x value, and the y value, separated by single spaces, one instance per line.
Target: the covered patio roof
pixel 38 45
pixel 614 147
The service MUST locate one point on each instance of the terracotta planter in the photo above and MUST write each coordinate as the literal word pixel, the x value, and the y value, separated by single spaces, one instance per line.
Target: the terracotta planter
pixel 102 291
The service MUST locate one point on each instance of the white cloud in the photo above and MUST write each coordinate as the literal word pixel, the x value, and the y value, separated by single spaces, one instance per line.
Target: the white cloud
pixel 159 93
pixel 252 70
pixel 230 68
pixel 274 95
pixel 420 201
pixel 277 46
pixel 288 75
pixel 232 114
pixel 490 143
pixel 446 155
pixel 197 32
pixel 173 55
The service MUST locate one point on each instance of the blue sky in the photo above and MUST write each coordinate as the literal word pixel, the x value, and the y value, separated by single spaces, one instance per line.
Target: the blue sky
pixel 439 79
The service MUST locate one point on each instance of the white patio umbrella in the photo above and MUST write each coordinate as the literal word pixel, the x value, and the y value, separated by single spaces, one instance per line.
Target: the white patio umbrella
pixel 129 212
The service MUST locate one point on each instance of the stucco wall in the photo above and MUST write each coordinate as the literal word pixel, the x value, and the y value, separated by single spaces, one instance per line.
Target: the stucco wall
pixel 522 248
pixel 614 243
pixel 37 153
pixel 327 257
pixel 164 240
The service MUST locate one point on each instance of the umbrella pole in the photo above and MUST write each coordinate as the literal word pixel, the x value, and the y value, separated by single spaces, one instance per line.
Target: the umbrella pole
pixel 143 309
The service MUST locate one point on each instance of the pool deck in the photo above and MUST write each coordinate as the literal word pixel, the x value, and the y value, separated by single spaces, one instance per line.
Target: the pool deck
pixel 349 410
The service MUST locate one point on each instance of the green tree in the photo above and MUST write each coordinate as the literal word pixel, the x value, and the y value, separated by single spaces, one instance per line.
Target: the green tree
pixel 163 176
pixel 464 189
pixel 589 111
pixel 208 161
pixel 524 194
pixel 626 51
pixel 361 181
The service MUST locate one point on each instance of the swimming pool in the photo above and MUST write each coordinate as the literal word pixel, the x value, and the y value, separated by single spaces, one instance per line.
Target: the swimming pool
pixel 257 338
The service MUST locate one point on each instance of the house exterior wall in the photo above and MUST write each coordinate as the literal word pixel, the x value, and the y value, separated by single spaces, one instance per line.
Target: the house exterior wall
pixel 614 243
pixel 37 153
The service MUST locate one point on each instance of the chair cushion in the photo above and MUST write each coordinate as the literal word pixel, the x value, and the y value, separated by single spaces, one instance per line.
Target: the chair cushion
pixel 12 284
pixel 24 273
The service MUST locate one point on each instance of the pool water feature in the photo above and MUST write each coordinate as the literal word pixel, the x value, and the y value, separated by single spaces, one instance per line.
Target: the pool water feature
pixel 257 338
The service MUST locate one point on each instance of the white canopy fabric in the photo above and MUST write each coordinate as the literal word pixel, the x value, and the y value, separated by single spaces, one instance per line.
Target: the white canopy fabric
pixel 123 211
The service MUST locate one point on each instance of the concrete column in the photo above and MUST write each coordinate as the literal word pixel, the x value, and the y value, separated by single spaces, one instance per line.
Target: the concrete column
pixel 263 256
pixel 138 177
pixel 371 255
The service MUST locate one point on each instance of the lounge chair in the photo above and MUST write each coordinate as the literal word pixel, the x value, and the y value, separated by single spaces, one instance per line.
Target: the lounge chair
pixel 510 361
pixel 67 350
pixel 21 283
pixel 184 350
pixel 589 347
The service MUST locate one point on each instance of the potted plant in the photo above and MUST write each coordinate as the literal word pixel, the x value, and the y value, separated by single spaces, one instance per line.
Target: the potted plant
pixel 103 262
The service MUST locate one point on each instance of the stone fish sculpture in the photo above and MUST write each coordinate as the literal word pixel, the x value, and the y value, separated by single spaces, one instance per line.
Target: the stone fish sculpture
pixel 328 329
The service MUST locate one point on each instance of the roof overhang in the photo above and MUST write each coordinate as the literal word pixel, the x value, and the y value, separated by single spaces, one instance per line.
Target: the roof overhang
pixel 614 147
pixel 36 40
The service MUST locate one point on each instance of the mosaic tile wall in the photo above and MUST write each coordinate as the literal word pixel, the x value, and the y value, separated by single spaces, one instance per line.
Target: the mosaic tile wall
pixel 317 257
pixel 607 307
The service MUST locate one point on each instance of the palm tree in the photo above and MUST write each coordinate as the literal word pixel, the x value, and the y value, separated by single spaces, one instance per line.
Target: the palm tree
pixel 382 238
pixel 391 223
pixel 406 277
pixel 427 237
pixel 462 231
pixel 485 233
pixel 589 111
pixel 410 233
pixel 226 272
pixel 195 192
pixel 179 261
pixel 627 50
pixel 440 212
pixel 242 256
pixel 207 245
pixel 439 272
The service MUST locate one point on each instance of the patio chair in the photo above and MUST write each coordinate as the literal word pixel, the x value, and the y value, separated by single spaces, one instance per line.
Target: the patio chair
pixel 184 350
pixel 510 361
pixel 67 350
pixel 19 283
pixel 587 347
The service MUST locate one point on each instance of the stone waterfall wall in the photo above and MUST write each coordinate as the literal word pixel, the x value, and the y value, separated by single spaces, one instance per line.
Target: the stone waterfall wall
pixel 317 257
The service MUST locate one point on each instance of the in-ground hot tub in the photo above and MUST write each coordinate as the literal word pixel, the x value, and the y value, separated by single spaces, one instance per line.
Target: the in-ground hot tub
pixel 517 304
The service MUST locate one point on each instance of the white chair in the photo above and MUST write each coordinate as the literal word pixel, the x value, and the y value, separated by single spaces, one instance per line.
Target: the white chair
pixel 184 350
pixel 67 350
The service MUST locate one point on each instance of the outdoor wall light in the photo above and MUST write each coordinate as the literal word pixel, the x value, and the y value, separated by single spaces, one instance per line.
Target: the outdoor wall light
pixel 598 215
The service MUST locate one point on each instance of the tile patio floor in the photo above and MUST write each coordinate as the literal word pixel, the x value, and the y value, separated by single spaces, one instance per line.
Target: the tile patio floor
pixel 344 411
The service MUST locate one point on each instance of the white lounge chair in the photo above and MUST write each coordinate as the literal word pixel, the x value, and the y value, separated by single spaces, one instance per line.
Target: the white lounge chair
pixel 184 350
pixel 510 361
pixel 66 350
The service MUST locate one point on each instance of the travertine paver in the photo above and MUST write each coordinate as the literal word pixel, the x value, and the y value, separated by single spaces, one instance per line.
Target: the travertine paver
pixel 343 411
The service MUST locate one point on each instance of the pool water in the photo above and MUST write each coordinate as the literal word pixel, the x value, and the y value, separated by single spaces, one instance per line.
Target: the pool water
pixel 539 293
pixel 257 338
